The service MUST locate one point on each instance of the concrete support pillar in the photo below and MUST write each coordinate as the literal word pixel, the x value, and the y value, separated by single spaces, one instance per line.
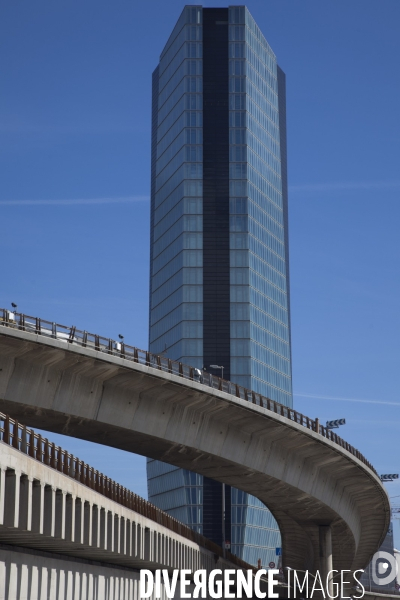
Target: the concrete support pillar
pixel 60 514
pixel 128 537
pixel 110 531
pixel 79 521
pixel 70 518
pixel 122 535
pixel 25 503
pixel 87 525
pixel 103 529
pixel 325 557
pixel 117 534
pixel 49 511
pixel 37 506
pixel 96 526
pixel 134 541
pixel 11 498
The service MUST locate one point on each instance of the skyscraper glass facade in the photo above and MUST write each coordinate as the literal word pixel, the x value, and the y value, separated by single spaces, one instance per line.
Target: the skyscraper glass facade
pixel 219 285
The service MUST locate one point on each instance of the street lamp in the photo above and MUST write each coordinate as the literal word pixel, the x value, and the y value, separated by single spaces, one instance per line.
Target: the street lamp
pixel 218 367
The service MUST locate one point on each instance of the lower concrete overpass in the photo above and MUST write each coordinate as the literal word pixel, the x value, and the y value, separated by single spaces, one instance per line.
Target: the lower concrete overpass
pixel 69 532
pixel 317 486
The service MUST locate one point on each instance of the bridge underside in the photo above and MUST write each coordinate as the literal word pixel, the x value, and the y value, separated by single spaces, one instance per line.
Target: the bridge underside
pixel 304 479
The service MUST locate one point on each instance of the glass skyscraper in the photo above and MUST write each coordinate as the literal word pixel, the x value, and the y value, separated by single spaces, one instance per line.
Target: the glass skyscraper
pixel 219 281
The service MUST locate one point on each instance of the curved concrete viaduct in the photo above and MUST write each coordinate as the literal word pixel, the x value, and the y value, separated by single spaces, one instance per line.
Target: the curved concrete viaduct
pixel 309 482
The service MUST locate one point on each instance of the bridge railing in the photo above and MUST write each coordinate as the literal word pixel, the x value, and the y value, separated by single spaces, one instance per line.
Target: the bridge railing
pixel 34 445
pixel 72 335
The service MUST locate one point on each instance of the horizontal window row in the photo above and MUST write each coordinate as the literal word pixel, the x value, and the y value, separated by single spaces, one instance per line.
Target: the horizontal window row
pixel 270 199
pixel 264 388
pixel 186 223
pixel 238 223
pixel 185 206
pixel 258 214
pixel 259 285
pixel 190 15
pixel 169 500
pixel 264 318
pixel 173 141
pixel 165 483
pixel 246 347
pixel 261 158
pixel 255 536
pixel 176 172
pixel 236 33
pixel 269 307
pixel 259 66
pixel 268 182
pixel 178 154
pixel 237 102
pixel 239 241
pixel 185 171
pixel 187 276
pixel 271 202
pixel 237 153
pixel 275 265
pixel 190 102
pixel 269 109
pixel 184 332
pixel 169 146
pixel 268 140
pixel 248 515
pixel 268 240
pixel 181 513
pixel 165 92
pixel 278 388
pixel 270 206
pixel 187 351
pixel 186 258
pixel 187 188
pixel 174 98
pixel 270 363
pixel 186 293
pixel 257 42
pixel 185 241
pixel 171 101
pixel 271 128
pixel 168 68
pixel 257 370
pixel 157 467
pixel 174 43
pixel 237 170
pixel 256 87
pixel 192 49
pixel 190 311
pixel 272 276
pixel 171 127
pixel 263 80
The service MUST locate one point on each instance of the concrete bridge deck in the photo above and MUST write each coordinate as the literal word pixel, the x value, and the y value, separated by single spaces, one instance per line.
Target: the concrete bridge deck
pixel 311 480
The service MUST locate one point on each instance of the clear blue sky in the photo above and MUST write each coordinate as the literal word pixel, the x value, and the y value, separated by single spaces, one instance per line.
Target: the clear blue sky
pixel 74 187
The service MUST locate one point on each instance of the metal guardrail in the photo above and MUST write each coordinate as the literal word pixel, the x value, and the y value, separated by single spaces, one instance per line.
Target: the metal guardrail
pixel 72 335
pixel 32 444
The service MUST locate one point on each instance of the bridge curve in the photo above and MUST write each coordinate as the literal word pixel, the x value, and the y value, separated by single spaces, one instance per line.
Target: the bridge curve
pixel 65 381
